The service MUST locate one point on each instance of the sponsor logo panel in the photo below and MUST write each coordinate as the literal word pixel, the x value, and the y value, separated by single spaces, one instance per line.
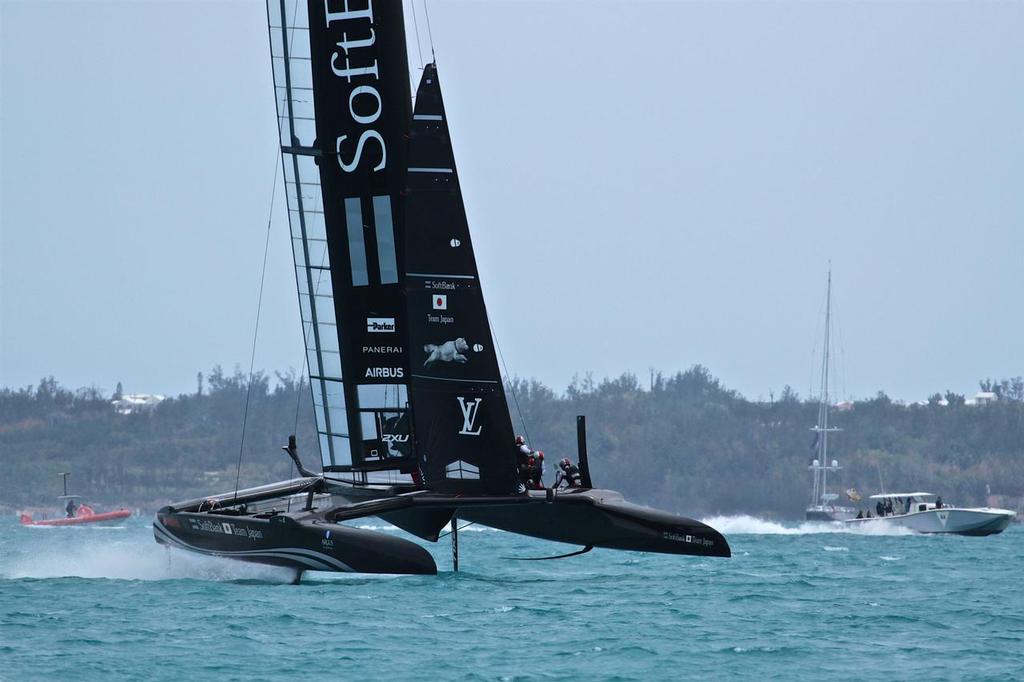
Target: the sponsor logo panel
pixel 385 373
pixel 383 350
pixel 470 411
pixel 380 325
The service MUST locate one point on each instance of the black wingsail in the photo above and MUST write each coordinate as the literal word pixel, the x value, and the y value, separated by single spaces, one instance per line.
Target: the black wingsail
pixel 463 432
pixel 342 80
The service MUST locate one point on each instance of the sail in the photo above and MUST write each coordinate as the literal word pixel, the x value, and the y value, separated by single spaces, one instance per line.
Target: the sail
pixel 341 79
pixel 463 433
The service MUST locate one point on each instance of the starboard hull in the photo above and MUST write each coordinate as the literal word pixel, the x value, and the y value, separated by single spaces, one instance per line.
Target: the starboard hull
pixel 601 518
pixel 301 541
pixel 951 520
pixel 577 516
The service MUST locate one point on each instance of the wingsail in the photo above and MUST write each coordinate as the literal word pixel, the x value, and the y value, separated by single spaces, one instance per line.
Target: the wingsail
pixel 462 426
pixel 343 100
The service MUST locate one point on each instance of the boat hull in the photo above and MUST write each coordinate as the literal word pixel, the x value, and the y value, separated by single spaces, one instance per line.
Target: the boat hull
pixel 577 516
pixel 952 520
pixel 100 519
pixel 829 514
pixel 301 541
pixel 601 518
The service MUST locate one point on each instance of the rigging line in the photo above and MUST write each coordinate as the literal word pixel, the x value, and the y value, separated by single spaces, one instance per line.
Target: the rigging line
pixel 430 35
pixel 298 398
pixel 444 535
pixel 256 330
pixel 416 26
pixel 511 386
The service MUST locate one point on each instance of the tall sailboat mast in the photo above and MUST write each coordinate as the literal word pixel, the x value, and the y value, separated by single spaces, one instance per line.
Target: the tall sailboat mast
pixel 821 466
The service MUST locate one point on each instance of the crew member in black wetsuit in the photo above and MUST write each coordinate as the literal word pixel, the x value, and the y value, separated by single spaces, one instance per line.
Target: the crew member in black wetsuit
pixel 70 509
pixel 569 473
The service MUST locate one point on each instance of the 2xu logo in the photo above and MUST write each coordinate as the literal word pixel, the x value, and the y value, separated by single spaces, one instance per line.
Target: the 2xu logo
pixel 395 438
pixel 470 411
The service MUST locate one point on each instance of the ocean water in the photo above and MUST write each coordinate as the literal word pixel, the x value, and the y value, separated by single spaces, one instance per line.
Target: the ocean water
pixel 795 602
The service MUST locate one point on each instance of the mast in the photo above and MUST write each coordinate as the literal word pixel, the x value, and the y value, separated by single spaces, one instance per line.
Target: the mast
pixel 822 466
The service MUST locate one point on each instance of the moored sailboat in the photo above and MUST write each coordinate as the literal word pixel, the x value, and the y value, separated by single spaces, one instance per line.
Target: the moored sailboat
pixel 823 506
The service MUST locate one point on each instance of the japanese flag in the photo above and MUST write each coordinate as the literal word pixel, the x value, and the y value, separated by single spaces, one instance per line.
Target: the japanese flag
pixel 440 301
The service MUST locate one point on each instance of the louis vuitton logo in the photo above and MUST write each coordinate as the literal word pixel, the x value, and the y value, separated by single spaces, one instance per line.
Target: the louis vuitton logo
pixel 470 410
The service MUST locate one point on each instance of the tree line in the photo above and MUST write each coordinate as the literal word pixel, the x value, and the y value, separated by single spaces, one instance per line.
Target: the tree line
pixel 682 442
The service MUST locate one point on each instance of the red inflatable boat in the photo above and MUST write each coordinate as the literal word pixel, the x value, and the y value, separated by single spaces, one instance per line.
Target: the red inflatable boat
pixel 84 514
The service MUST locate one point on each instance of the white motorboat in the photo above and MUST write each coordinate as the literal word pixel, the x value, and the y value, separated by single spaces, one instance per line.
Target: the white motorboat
pixel 926 513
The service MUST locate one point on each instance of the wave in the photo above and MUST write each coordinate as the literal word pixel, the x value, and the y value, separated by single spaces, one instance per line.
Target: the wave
pixel 103 557
pixel 744 524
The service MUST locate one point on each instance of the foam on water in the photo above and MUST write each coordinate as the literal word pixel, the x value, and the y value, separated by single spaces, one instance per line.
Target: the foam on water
pixel 751 525
pixel 84 553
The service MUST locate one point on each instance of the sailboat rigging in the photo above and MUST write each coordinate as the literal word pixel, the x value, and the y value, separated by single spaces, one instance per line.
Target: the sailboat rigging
pixel 823 505
pixel 412 419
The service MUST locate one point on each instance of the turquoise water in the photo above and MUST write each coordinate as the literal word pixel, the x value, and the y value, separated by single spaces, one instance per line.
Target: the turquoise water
pixel 793 603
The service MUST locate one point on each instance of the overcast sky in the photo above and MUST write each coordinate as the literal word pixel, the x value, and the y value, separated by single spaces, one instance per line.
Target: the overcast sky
pixel 648 185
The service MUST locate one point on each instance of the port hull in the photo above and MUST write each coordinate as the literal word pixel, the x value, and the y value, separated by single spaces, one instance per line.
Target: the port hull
pixel 302 541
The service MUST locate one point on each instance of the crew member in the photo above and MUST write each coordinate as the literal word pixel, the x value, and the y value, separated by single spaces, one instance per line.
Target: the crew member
pixel 527 473
pixel 538 470
pixel 70 509
pixel 523 464
pixel 569 473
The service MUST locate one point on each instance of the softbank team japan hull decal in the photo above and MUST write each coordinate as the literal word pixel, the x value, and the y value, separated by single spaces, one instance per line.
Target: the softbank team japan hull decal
pixel 449 351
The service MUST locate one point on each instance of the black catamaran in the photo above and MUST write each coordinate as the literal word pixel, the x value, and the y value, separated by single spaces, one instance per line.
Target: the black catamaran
pixel 409 402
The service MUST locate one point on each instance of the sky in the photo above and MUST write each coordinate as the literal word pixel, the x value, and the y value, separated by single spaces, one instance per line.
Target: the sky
pixel 648 185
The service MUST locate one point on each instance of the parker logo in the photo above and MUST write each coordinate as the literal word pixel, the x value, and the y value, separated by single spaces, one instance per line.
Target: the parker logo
pixel 385 373
pixel 470 410
pixel 380 325
pixel 440 301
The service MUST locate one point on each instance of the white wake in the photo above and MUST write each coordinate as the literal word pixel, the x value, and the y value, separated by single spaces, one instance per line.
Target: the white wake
pixel 128 557
pixel 751 525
